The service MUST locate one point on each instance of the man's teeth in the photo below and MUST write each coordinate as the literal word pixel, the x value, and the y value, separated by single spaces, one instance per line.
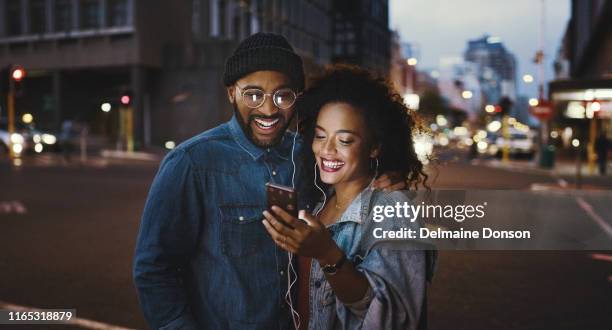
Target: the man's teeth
pixel 266 123
pixel 332 164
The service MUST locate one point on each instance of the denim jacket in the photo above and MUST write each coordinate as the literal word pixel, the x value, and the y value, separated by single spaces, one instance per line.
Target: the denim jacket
pixel 203 257
pixel 397 271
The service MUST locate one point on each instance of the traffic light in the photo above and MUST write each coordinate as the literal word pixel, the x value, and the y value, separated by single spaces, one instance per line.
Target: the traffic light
pixel 16 75
pixel 126 98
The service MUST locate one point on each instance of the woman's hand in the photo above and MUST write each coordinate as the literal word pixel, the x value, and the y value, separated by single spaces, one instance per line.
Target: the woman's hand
pixel 308 238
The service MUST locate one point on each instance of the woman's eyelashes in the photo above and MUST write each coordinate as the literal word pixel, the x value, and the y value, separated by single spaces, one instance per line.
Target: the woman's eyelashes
pixel 345 142
pixel 341 140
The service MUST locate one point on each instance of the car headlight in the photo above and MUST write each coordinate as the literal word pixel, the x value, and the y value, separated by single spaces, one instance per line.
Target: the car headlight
pixel 49 138
pixel 17 138
pixel 17 148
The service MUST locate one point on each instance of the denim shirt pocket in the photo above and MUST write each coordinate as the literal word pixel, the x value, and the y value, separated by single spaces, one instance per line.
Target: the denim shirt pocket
pixel 242 232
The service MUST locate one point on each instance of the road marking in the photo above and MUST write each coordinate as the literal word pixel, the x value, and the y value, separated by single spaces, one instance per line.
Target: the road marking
pixel 594 216
pixel 12 207
pixel 601 256
pixel 83 323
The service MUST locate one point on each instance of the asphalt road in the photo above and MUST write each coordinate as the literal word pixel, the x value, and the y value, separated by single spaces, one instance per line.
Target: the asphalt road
pixel 67 236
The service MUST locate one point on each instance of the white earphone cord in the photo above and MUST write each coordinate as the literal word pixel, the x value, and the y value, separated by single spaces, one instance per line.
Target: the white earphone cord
pixel 295 316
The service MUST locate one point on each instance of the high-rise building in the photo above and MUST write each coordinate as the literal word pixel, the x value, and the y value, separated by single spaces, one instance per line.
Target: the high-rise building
pixel 459 84
pixel 361 33
pixel 497 67
pixel 169 55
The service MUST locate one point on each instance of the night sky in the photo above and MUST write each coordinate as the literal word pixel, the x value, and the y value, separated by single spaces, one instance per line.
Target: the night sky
pixel 442 28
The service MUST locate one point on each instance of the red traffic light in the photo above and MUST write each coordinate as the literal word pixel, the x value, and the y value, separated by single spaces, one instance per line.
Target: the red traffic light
pixel 18 74
pixel 125 99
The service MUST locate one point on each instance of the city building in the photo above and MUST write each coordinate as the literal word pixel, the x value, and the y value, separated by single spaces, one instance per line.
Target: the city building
pixel 166 56
pixel 582 91
pixel 403 73
pixel 361 33
pixel 496 67
pixel 459 84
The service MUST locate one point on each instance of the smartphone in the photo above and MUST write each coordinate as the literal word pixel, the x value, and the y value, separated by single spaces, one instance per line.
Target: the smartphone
pixel 283 197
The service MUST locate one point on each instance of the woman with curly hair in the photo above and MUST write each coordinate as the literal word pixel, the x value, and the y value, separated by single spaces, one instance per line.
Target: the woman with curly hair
pixel 350 277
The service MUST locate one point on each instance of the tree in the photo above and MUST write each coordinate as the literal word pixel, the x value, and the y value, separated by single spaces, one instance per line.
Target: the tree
pixel 432 104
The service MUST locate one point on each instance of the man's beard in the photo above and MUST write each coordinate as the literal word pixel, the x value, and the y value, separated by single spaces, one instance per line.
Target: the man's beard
pixel 248 131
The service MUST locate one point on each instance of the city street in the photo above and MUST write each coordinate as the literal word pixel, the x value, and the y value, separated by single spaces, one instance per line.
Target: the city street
pixel 506 104
pixel 68 235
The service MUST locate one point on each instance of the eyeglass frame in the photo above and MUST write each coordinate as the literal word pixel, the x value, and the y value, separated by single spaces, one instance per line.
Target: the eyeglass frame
pixel 242 89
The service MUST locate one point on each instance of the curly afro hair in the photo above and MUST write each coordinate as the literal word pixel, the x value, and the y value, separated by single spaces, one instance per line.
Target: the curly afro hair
pixel 390 123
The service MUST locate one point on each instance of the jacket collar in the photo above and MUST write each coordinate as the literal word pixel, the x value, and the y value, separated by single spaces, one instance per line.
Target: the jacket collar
pixel 357 210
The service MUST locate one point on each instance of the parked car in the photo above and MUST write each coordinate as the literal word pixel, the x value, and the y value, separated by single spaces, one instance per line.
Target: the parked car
pixel 26 138
pixel 520 144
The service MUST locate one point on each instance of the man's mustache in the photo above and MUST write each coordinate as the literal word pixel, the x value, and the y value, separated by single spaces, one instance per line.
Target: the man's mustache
pixel 264 117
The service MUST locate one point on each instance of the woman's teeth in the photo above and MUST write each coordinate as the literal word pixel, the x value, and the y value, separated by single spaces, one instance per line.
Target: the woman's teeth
pixel 332 164
pixel 265 123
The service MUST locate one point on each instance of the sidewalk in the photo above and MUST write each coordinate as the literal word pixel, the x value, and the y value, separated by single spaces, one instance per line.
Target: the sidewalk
pixel 565 173
pixel 561 168
pixel 92 159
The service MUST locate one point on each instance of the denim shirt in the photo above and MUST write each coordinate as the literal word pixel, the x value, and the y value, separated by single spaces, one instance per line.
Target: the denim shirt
pixel 397 271
pixel 203 257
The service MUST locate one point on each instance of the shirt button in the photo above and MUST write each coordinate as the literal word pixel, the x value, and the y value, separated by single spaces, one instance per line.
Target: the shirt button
pixel 241 218
pixel 317 284
pixel 273 172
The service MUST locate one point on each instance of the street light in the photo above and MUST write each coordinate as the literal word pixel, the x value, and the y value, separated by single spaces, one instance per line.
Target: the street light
pixel 494 126
pixel 169 145
pixel 106 107
pixel 528 78
pixel 533 102
pixel 27 118
pixel 490 108
pixel 412 61
pixel 466 95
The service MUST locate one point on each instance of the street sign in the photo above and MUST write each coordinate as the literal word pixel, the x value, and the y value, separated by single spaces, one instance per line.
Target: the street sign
pixel 543 111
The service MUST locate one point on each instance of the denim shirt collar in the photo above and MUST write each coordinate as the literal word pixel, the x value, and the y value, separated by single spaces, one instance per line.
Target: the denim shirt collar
pixel 358 210
pixel 281 150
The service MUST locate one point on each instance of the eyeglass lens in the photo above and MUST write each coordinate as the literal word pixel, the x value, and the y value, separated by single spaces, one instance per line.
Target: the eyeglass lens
pixel 282 98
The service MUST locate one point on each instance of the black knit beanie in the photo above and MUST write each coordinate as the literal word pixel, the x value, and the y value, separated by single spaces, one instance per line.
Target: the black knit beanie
pixel 264 51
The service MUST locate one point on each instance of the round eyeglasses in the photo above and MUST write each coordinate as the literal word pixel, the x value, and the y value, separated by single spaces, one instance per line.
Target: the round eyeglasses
pixel 283 98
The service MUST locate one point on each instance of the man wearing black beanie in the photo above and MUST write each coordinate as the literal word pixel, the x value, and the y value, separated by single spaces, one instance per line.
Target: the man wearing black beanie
pixel 203 258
